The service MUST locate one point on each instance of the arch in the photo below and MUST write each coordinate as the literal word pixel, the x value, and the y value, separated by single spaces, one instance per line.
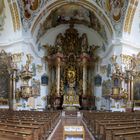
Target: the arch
pixel 92 6
pixel 130 16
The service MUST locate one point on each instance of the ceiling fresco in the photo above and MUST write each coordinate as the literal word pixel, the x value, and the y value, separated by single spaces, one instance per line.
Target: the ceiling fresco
pixel 2 14
pixel 72 14
pixel 114 9
pixel 29 10
pixel 30 6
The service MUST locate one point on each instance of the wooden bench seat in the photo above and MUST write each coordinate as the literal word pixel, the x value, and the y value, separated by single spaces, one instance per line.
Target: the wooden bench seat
pixel 27 125
pixel 6 136
pixel 109 131
pixel 126 135
pixel 36 131
pixel 104 125
pixel 26 135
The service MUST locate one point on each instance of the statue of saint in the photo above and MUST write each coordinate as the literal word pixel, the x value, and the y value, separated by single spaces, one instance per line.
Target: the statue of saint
pixel 59 42
pixel 61 87
pixel 84 42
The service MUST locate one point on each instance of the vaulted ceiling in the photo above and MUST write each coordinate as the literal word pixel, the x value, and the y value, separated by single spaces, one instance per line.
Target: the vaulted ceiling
pixel 108 18
pixel 112 12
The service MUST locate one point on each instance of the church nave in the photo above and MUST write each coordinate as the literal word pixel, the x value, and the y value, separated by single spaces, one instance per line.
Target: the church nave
pixel 70 120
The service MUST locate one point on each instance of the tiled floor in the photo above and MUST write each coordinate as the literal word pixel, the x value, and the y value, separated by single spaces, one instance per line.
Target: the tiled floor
pixel 58 134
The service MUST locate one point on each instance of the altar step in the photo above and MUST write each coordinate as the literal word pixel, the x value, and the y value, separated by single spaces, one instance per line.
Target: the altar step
pixel 71 114
pixel 57 134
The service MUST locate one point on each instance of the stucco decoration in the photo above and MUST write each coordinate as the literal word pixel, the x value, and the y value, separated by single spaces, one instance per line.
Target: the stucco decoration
pixel 72 13
pixel 106 87
pixel 115 10
pixel 2 14
pixel 35 87
pixel 15 15
pixel 30 6
pixel 29 10
pixel 114 7
pixel 130 15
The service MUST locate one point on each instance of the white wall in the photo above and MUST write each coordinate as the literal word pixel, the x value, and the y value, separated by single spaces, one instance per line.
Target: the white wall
pixel 133 37
pixel 8 35
pixel 27 48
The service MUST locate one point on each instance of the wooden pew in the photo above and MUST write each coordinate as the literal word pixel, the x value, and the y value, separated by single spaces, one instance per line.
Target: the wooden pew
pixel 25 135
pixel 109 131
pixel 132 135
pixel 27 125
pixel 104 124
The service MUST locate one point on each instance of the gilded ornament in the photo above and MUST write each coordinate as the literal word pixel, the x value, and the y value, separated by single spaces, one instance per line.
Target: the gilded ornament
pixel 70 78
pixel 35 87
pixel 17 57
pixel 2 14
pixel 29 58
pixel 113 59
pixel 13 16
pixel 103 69
pixel 30 6
pixel 17 18
pixel 39 68
pixel 130 15
pixel 26 75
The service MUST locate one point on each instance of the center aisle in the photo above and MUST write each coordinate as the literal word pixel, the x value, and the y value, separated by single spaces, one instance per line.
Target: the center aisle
pixel 57 134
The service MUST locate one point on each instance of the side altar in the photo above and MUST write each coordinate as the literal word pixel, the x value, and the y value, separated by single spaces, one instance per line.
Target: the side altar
pixel 70 67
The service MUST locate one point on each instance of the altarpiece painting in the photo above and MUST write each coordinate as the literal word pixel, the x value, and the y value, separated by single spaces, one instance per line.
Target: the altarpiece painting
pixel 4 78
pixel 137 89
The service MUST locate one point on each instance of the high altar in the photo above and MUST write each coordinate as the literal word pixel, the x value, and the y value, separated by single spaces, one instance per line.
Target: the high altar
pixel 70 71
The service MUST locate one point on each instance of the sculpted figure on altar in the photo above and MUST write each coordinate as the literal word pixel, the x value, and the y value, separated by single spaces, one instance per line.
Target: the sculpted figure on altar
pixel 71 75
pixel 59 42
pixel 84 43
pixel 71 99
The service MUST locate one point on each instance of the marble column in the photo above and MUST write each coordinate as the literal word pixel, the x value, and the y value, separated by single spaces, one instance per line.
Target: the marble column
pixel 129 86
pixel 11 92
pixel 50 78
pixel 14 89
pixel 12 104
pixel 84 76
pixel 58 77
pixel 132 89
pixel 128 89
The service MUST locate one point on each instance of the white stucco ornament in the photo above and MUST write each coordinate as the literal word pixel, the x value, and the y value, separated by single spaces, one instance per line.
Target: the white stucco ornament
pixel 72 0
